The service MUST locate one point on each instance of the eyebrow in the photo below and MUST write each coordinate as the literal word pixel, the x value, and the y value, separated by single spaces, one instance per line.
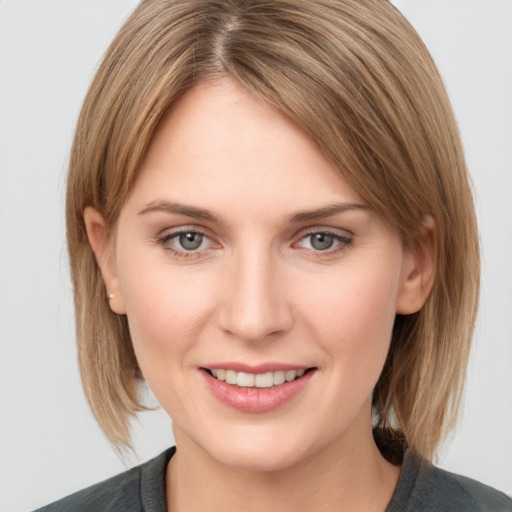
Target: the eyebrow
pixel 180 209
pixel 326 211
pixel 208 215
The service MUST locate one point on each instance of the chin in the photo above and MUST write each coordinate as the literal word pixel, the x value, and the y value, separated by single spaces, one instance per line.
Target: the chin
pixel 257 451
pixel 258 459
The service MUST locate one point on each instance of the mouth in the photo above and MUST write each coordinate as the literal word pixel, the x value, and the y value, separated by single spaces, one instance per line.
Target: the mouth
pixel 259 390
pixel 256 380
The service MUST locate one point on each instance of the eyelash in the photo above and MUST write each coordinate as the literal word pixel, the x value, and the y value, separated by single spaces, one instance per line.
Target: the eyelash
pixel 165 242
pixel 342 242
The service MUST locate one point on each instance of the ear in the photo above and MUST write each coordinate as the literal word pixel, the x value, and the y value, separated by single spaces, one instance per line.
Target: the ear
pixel 98 235
pixel 418 271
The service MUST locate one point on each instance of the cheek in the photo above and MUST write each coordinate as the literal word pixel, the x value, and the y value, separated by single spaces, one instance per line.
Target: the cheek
pixel 352 318
pixel 165 310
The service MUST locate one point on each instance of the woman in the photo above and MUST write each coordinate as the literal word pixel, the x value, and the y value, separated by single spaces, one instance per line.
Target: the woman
pixel 270 222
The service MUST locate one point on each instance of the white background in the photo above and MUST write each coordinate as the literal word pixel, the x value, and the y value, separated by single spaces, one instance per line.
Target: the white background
pixel 49 443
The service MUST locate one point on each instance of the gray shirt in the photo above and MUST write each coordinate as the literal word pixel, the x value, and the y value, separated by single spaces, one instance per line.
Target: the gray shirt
pixel 421 488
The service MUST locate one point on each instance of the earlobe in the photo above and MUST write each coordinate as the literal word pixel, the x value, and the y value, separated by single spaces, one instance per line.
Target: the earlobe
pixel 98 236
pixel 418 273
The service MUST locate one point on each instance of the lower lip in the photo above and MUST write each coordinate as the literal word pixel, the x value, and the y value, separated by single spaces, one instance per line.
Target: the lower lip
pixel 256 400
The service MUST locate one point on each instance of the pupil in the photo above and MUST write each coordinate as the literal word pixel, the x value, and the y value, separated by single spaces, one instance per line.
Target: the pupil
pixel 322 241
pixel 190 241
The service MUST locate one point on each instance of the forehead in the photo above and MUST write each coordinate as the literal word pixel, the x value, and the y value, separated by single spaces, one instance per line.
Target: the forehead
pixel 219 143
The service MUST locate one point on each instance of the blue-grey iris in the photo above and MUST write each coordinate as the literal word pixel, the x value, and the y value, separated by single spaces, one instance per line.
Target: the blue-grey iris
pixel 191 241
pixel 322 241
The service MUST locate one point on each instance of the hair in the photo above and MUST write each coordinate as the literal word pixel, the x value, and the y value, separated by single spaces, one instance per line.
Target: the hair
pixel 356 77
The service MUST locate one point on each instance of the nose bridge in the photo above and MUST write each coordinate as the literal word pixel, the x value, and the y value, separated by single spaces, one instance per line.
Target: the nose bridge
pixel 255 304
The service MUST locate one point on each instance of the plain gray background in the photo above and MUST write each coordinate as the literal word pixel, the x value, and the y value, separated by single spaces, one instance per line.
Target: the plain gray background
pixel 49 442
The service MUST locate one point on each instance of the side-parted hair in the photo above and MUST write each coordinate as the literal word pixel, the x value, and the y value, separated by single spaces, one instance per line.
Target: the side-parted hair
pixel 357 79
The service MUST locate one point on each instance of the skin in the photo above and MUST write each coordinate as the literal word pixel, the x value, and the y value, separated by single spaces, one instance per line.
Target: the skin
pixel 258 290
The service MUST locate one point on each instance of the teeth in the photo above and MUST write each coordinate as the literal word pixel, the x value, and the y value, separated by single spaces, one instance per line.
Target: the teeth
pixel 230 376
pixel 290 375
pixel 259 380
pixel 279 378
pixel 245 380
pixel 264 380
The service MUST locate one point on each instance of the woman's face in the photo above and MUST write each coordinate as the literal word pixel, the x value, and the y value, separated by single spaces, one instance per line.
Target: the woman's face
pixel 242 253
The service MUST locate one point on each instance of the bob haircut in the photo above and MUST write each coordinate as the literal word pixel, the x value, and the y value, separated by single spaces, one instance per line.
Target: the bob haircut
pixel 358 80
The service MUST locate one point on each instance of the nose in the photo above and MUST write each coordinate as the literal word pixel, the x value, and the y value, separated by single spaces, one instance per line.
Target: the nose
pixel 255 306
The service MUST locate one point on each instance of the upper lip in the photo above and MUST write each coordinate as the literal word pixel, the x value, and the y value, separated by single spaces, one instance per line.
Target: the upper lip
pixel 255 368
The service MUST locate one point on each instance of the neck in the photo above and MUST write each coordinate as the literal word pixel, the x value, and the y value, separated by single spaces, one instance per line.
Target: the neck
pixel 346 475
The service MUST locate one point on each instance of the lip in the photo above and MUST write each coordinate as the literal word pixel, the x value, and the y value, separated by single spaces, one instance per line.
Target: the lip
pixel 258 368
pixel 256 400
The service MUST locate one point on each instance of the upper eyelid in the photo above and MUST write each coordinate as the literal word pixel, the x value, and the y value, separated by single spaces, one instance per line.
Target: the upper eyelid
pixel 174 234
pixel 326 230
pixel 171 232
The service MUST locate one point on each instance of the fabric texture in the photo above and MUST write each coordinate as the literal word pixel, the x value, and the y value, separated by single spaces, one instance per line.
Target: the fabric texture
pixel 140 489
pixel 421 488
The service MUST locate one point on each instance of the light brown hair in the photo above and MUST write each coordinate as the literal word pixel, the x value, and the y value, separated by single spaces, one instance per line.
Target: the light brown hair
pixel 356 77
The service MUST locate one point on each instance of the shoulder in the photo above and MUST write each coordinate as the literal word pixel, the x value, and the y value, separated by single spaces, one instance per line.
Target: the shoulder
pixel 424 487
pixel 463 493
pixel 138 489
pixel 102 496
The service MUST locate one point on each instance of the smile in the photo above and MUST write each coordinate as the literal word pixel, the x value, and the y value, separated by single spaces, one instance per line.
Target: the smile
pixel 257 392
pixel 257 380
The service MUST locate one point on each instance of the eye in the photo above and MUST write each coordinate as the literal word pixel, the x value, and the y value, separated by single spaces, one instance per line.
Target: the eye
pixel 186 243
pixel 321 241
pixel 190 241
pixel 324 241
